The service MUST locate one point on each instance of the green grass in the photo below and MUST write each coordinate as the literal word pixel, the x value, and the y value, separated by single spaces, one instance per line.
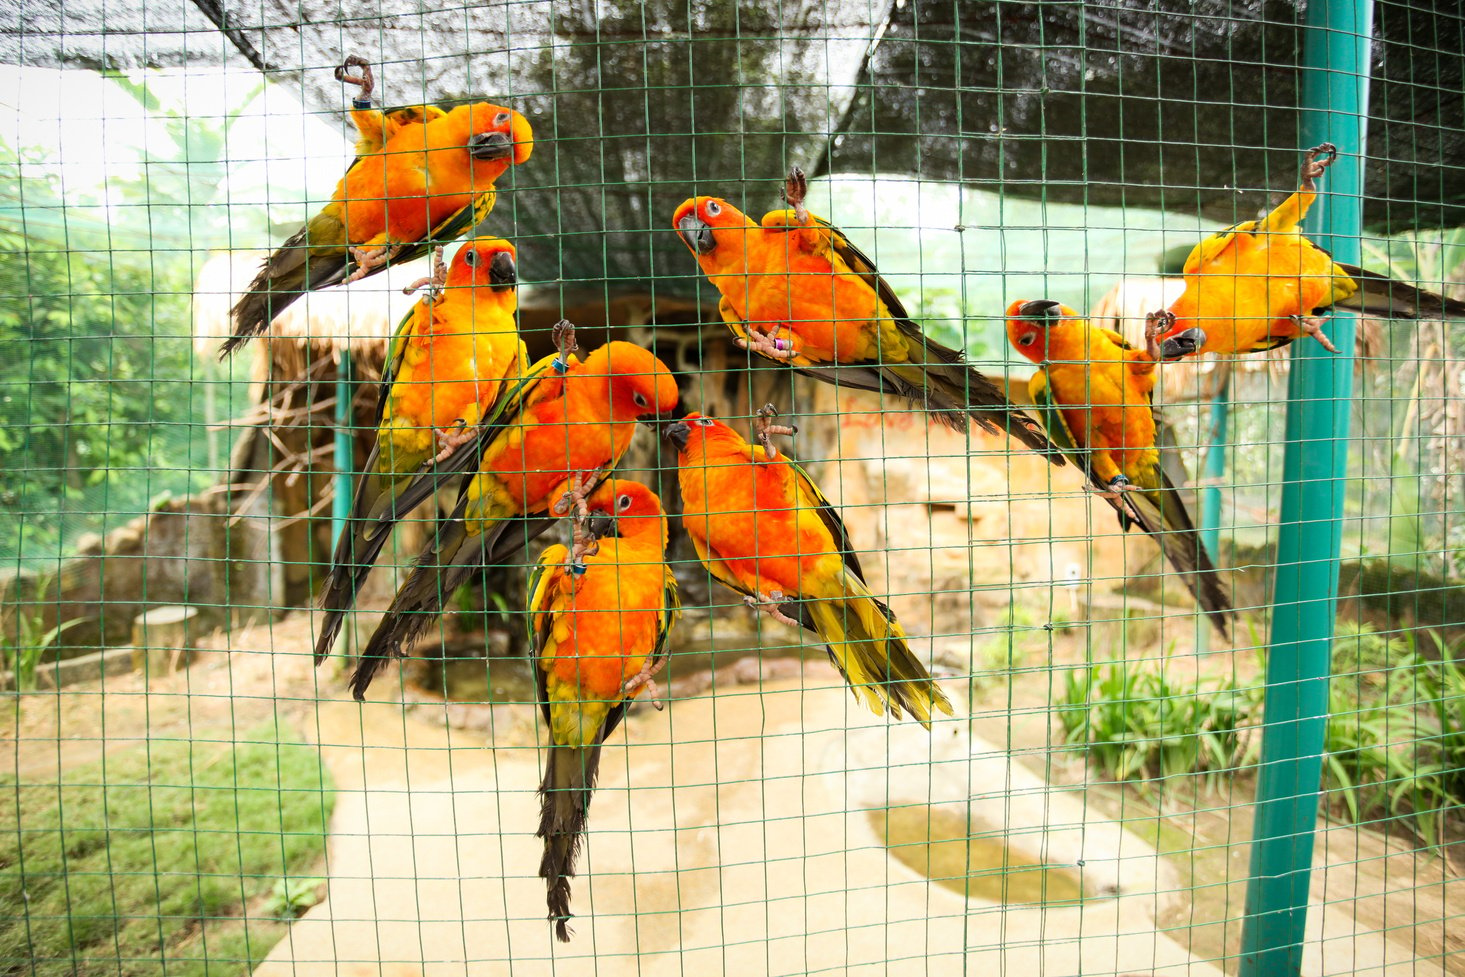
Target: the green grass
pixel 147 862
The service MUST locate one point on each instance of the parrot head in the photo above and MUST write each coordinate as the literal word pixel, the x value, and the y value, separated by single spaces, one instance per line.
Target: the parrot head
pixel 1029 325
pixel 705 224
pixel 1178 337
pixel 496 135
pixel 626 509
pixel 695 428
pixel 485 261
pixel 641 388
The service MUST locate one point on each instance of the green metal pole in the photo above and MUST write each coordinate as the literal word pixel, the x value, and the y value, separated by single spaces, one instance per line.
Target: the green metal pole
pixel 1214 469
pixel 1310 540
pixel 345 454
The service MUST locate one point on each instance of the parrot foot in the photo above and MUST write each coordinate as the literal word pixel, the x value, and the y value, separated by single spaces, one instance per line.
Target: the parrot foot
pixel 1156 324
pixel 364 79
pixel 573 501
pixel 1313 326
pixel 767 344
pixel 1314 162
pixel 769 604
pixel 1115 490
pixel 436 280
pixel 563 335
pixel 645 678
pixel 765 429
pixel 451 439
pixel 367 261
pixel 795 189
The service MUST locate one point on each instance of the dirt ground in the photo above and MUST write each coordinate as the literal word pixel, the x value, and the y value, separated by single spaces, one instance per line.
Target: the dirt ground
pixel 731 833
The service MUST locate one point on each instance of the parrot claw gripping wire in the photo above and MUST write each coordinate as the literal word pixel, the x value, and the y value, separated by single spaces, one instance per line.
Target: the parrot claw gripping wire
pixel 563 334
pixel 1155 324
pixel 364 79
pixel 451 439
pixel 765 429
pixel 768 345
pixel 434 282
pixel 769 604
pixel 795 189
pixel 1115 490
pixel 367 260
pixel 573 501
pixel 645 677
pixel 1314 162
pixel 1313 326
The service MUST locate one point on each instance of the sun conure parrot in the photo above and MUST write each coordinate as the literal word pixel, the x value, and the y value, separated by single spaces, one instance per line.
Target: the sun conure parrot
pixel 1093 392
pixel 429 181
pixel 797 291
pixel 763 529
pixel 567 428
pixel 453 356
pixel 1259 285
pixel 599 615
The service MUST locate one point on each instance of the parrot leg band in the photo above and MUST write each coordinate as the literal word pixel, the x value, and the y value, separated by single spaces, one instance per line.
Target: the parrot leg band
pixel 767 345
pixel 1314 162
pixel 1115 489
pixel 1313 326
pixel 434 282
pixel 795 189
pixel 451 440
pixel 766 429
pixel 769 604
pixel 364 79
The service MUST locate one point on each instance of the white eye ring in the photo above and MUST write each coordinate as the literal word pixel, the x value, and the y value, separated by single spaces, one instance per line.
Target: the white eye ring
pixel 640 400
pixel 704 421
pixel 1027 340
pixel 713 209
pixel 623 503
pixel 501 118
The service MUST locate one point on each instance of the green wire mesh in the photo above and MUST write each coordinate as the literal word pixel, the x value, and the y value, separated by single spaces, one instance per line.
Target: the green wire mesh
pixel 185 793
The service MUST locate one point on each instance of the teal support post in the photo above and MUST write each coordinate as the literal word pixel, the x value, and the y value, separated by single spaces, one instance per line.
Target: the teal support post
pixel 1310 540
pixel 345 454
pixel 1213 470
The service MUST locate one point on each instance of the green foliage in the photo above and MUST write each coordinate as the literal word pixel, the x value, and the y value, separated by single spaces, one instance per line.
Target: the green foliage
pixel 1139 724
pixel 290 898
pixel 144 863
pixel 22 648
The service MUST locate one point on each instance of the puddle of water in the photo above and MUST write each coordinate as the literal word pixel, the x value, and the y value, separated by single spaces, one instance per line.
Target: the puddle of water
pixel 496 680
pixel 939 844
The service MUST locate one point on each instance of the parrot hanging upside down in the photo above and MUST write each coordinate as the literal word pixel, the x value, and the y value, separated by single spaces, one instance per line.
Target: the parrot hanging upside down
pixel 1093 391
pixel 562 431
pixel 1259 285
pixel 763 529
pixel 796 291
pixel 599 616
pixel 429 177
pixel 452 359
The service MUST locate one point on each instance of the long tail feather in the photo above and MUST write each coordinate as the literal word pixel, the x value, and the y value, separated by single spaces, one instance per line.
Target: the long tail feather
pixel 290 272
pixel 869 648
pixel 1387 297
pixel 564 794
pixel 1162 514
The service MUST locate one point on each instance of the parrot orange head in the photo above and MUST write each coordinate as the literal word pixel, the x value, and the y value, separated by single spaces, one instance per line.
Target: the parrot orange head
pixel 1031 326
pixel 640 386
pixel 627 509
pixel 695 430
pixel 496 137
pixel 485 262
pixel 708 224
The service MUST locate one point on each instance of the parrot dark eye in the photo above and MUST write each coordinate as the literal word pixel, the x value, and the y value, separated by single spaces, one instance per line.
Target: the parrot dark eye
pixel 1028 339
pixel 470 258
pixel 501 118
pixel 623 503
pixel 704 421
pixel 713 209
pixel 640 400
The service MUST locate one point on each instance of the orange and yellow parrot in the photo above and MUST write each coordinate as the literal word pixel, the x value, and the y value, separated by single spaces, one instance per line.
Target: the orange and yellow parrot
pixel 453 356
pixel 797 291
pixel 1093 391
pixel 599 615
pixel 763 529
pixel 1259 285
pixel 566 428
pixel 429 178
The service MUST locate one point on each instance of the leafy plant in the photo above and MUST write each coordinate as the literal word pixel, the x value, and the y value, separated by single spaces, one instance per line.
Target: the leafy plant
pixel 23 647
pixel 290 898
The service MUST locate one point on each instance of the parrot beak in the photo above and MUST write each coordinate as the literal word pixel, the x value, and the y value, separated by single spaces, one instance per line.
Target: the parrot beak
pixel 1183 344
pixel 601 525
pixel 1040 309
pixel 697 233
pixel 502 273
pixel 678 434
pixel 490 146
